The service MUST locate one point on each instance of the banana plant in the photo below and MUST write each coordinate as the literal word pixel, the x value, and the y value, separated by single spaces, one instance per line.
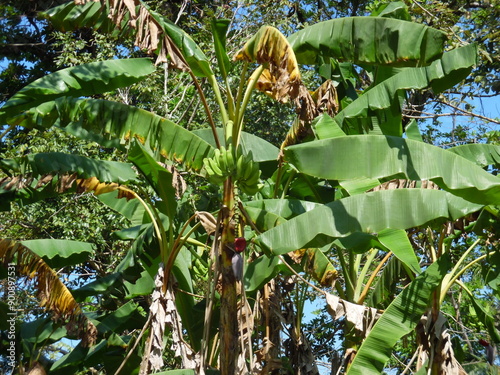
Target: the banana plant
pixel 333 152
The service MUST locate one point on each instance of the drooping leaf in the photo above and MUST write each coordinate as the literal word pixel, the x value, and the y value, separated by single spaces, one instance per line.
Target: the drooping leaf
pixel 394 157
pixel 152 32
pixel 81 80
pixel 369 40
pixel 52 293
pixel 364 214
pixel 402 315
pixel 116 120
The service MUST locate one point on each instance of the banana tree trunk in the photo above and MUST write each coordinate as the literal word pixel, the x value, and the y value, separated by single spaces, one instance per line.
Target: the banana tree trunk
pixel 434 346
pixel 228 313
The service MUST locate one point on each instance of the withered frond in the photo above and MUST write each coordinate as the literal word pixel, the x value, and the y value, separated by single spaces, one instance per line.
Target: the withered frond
pixel 51 292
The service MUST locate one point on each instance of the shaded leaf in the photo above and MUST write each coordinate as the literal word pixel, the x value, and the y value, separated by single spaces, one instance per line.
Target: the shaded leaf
pixel 60 253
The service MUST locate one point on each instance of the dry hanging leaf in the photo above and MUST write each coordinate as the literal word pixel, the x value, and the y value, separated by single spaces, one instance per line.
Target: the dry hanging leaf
pixel 208 221
pixel 52 293
pixel 361 317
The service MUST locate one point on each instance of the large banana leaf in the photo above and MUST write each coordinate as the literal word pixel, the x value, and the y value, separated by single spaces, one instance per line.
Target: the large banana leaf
pixel 400 318
pixel 59 163
pixel 368 40
pixel 270 213
pixel 81 80
pixel 364 214
pixel 116 120
pixel 152 31
pixel 383 100
pixel 389 157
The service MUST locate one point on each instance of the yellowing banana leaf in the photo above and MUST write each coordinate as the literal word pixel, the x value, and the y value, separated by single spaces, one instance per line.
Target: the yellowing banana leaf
pixel 269 47
pixel 52 293
pixel 364 214
pixel 81 80
pixel 376 156
pixel 383 100
pixel 115 120
pixel 400 318
pixel 134 18
pixel 368 40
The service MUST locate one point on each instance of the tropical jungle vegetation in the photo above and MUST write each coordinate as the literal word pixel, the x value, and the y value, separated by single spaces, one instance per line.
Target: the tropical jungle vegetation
pixel 181 181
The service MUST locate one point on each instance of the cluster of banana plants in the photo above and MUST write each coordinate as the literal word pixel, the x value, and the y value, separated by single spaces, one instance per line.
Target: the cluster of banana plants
pixel 320 211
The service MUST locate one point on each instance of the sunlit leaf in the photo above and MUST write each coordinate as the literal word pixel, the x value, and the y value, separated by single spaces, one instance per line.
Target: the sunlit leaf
pixel 402 315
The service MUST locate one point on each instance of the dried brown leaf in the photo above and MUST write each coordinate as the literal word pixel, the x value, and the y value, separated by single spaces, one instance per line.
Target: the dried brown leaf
pixel 361 317
pixel 208 221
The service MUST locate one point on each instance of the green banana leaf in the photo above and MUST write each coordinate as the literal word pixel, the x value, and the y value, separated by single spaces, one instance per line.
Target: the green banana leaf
pixel 71 17
pixel 386 287
pixel 270 213
pixel 158 177
pixel 397 241
pixel 383 100
pixel 219 32
pixel 261 149
pixel 368 40
pixel 77 81
pixel 394 157
pixel 131 209
pixel 395 9
pixel 400 318
pixel 59 163
pixel 60 253
pixel 364 214
pixel 481 154
pixel 115 120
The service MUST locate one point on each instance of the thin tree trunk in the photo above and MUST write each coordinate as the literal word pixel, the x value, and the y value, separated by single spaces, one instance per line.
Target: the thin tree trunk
pixel 228 313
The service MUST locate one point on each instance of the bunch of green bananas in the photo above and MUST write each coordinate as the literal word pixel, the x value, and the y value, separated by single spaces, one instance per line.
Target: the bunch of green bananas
pixel 230 163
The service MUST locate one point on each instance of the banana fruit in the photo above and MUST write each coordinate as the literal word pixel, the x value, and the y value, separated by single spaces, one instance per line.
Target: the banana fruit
pixel 233 163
